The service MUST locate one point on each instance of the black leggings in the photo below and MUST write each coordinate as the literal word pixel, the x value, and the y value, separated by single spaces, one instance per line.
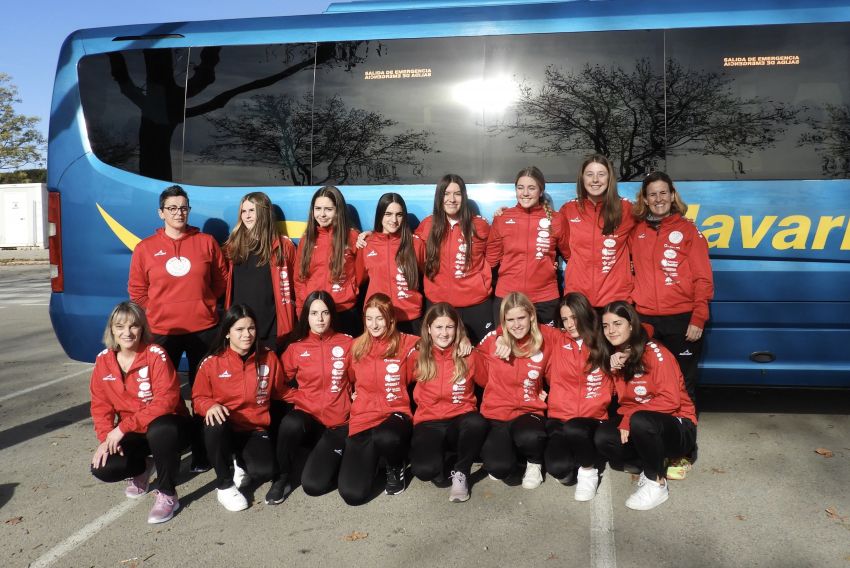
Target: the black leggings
pixel 652 438
pixel 464 434
pixel 390 439
pixel 670 331
pixel 253 448
pixel 166 437
pixel 570 445
pixel 524 437
pixel 301 430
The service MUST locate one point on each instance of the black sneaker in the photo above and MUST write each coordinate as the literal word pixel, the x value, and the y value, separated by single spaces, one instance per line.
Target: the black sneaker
pixel 278 492
pixel 200 465
pixel 395 480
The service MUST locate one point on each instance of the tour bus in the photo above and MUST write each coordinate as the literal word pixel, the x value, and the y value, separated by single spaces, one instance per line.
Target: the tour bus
pixel 745 104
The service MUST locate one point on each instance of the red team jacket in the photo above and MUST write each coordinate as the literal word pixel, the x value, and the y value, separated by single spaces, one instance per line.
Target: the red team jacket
pixel 377 261
pixel 439 398
pixel 454 285
pixel 282 277
pixel 661 388
pixel 513 386
pixel 574 392
pixel 320 363
pixel 672 269
pixel 597 264
pixel 177 282
pixel 524 242
pixel 344 292
pixel 245 389
pixel 381 384
pixel 149 390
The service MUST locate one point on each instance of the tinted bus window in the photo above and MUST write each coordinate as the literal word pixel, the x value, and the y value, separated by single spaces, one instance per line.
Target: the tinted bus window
pixel 563 96
pixel 759 103
pixel 133 106
pixel 393 112
pixel 248 115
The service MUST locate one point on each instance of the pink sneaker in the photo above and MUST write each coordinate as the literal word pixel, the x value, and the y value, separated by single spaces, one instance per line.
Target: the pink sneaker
pixel 163 508
pixel 138 486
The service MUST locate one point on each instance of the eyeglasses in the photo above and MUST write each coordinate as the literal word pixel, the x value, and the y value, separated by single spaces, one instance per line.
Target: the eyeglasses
pixel 173 210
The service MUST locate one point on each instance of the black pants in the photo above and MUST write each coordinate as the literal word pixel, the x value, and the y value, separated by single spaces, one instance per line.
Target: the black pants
pixel 389 440
pixel 547 312
pixel 570 445
pixel 195 346
pixel 412 327
pixel 301 430
pixel 349 321
pixel 653 436
pixel 670 331
pixel 166 437
pixel 478 319
pixel 253 449
pixel 523 437
pixel 463 434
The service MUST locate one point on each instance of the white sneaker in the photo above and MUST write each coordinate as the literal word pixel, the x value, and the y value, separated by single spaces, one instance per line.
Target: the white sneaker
pixel 586 483
pixel 533 476
pixel 231 499
pixel 241 479
pixel 648 495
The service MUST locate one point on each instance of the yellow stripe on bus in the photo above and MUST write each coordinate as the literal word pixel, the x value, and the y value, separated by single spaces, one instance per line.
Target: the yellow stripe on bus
pixel 125 236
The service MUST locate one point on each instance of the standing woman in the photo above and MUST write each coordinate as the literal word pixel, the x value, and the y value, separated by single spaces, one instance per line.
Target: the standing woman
pixel 260 270
pixel 446 416
pixel 524 241
pixel 380 424
pixel 673 279
pixel 456 268
pixel 326 258
pixel 513 403
pixel 233 392
pixel 579 395
pixel 597 225
pixel 392 260
pixel 317 359
pixel 657 416
pixel 137 411
pixel 177 276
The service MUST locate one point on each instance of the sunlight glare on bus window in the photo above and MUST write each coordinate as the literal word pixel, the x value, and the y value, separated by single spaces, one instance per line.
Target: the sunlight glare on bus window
pixel 494 94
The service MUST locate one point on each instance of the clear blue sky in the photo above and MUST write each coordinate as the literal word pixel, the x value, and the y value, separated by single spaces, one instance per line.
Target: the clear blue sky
pixel 32 31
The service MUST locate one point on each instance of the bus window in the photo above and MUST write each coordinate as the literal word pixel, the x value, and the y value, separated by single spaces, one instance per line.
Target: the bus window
pixel 768 102
pixel 248 115
pixel 133 106
pixel 400 111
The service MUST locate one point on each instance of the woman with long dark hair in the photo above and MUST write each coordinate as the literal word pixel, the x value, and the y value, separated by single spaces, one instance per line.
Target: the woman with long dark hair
pixel 657 418
pixel 260 270
pixel 597 224
pixel 456 268
pixel 233 391
pixel 446 417
pixel 318 359
pixel 326 258
pixel 380 424
pixel 393 259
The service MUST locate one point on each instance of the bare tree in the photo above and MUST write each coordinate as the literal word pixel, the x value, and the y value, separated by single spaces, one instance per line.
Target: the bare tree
pixel 831 140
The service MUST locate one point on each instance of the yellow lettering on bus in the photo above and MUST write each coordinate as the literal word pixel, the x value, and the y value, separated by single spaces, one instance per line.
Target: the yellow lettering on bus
pixel 719 236
pixel 749 239
pixel 825 226
pixel 793 238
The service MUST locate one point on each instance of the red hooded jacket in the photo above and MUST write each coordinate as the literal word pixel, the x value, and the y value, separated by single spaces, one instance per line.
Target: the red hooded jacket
pixel 380 384
pixel 149 390
pixel 460 288
pixel 178 282
pixel 440 398
pixel 574 392
pixel 524 243
pixel 344 292
pixel 661 388
pixel 320 363
pixel 597 264
pixel 672 269
pixel 377 261
pixel 284 296
pixel 244 388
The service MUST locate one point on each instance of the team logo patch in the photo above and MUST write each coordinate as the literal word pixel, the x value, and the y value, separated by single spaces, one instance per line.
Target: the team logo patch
pixel 178 266
pixel 676 237
pixel 337 351
pixel 609 243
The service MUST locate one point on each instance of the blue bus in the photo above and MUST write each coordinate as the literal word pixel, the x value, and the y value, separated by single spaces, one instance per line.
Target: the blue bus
pixel 745 103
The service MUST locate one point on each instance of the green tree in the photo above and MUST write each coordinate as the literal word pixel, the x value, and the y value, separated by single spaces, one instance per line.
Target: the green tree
pixel 20 142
